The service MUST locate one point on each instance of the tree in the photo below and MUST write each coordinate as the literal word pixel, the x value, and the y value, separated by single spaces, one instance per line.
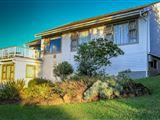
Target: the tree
pixel 96 54
pixel 63 70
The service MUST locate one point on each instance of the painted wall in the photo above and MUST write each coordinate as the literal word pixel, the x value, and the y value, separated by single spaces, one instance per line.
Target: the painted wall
pixel 155 30
pixel 135 57
pixel 49 61
pixel 20 68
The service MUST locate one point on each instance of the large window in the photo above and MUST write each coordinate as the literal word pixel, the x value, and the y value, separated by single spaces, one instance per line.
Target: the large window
pixel 55 45
pixel 30 71
pixel 123 33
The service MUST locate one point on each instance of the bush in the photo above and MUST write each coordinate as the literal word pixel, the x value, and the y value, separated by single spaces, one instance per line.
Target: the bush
pixel 12 90
pixel 94 55
pixel 63 70
pixel 103 90
pixel 38 81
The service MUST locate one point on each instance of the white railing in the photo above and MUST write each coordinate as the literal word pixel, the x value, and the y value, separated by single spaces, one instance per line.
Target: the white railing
pixel 20 52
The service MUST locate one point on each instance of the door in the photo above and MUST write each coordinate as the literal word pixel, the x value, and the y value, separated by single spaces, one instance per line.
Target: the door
pixel 8 72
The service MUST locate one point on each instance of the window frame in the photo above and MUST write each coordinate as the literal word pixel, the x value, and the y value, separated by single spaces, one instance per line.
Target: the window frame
pixel 137 31
pixel 52 39
pixel 34 74
pixel 76 40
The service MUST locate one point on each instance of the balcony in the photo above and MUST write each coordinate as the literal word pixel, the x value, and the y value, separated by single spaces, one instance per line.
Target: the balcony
pixel 11 52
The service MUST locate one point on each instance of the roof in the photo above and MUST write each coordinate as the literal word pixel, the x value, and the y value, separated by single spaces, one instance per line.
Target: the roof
pixel 34 42
pixel 86 22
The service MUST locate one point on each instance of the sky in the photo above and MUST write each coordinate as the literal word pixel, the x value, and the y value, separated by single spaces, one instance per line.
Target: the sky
pixel 20 20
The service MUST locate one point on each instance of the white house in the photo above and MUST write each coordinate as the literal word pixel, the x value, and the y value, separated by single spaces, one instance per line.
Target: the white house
pixel 136 31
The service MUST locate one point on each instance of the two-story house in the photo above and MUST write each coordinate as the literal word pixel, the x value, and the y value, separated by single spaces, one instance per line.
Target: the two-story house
pixel 136 31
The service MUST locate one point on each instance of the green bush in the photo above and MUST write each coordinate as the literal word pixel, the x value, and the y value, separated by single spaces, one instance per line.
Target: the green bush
pixel 38 81
pixel 41 91
pixel 63 70
pixel 11 90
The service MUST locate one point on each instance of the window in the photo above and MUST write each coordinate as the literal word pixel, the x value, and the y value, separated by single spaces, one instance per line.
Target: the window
pixel 30 71
pixel 132 31
pixel 109 32
pixel 84 37
pixel 74 41
pixel 55 45
pixel 153 64
pixel 124 33
pixel 121 34
pixel 8 72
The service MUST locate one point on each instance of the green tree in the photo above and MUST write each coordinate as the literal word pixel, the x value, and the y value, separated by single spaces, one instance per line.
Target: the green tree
pixel 96 54
pixel 63 70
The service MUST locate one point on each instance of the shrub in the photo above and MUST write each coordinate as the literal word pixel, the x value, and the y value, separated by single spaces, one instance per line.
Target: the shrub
pixel 63 70
pixel 38 81
pixel 96 54
pixel 103 90
pixel 11 90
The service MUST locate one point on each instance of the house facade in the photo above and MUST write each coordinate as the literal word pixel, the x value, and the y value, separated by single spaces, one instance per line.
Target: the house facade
pixel 136 31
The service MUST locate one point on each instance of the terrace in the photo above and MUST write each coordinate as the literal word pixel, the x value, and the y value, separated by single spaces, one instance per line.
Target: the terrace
pixel 11 52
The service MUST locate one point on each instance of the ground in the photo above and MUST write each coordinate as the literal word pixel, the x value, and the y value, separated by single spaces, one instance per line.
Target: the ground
pixel 145 107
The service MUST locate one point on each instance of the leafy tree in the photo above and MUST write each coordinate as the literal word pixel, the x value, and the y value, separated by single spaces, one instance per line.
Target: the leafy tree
pixel 63 70
pixel 96 54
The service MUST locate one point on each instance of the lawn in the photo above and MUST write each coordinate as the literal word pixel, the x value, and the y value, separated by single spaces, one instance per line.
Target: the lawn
pixel 145 107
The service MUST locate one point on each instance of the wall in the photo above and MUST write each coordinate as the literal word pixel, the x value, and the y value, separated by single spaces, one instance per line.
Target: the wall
pixel 49 61
pixel 155 30
pixel 135 57
pixel 20 68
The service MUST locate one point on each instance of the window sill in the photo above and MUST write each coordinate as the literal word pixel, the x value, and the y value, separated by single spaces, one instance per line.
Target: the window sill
pixel 128 44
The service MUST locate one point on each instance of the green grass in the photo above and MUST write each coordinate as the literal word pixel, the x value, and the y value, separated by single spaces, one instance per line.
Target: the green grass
pixel 145 107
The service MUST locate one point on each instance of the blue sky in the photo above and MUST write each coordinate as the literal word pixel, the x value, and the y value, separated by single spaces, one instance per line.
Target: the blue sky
pixel 21 19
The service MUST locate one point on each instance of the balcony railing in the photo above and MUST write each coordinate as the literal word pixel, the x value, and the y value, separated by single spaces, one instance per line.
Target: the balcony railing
pixel 19 52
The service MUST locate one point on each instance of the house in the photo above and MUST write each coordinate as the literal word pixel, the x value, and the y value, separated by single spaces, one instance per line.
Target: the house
pixel 136 31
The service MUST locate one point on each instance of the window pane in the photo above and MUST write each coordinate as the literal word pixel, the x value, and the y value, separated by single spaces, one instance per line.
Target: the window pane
pixel 84 37
pixel 121 34
pixel 73 45
pixel 55 45
pixel 30 71
pixel 74 41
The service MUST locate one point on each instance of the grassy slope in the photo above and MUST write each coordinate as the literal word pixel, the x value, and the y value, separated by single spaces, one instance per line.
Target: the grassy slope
pixel 146 107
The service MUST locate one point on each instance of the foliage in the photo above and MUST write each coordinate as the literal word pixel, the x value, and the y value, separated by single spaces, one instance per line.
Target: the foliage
pixel 11 90
pixel 63 69
pixel 38 81
pixel 37 93
pixel 124 75
pixel 103 90
pixel 138 108
pixel 96 54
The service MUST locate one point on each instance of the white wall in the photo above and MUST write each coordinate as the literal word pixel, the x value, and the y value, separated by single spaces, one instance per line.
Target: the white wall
pixel 49 61
pixel 20 68
pixel 135 57
pixel 155 30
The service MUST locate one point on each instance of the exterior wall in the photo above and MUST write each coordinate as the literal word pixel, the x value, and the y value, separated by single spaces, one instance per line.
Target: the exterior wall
pixel 154 23
pixel 20 68
pixel 135 57
pixel 49 61
pixel 155 30
pixel 0 72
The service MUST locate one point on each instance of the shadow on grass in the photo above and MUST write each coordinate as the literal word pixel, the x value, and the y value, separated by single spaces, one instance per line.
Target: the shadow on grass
pixel 20 112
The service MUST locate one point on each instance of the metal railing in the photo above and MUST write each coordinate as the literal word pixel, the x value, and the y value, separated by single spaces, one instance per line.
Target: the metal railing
pixel 19 52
